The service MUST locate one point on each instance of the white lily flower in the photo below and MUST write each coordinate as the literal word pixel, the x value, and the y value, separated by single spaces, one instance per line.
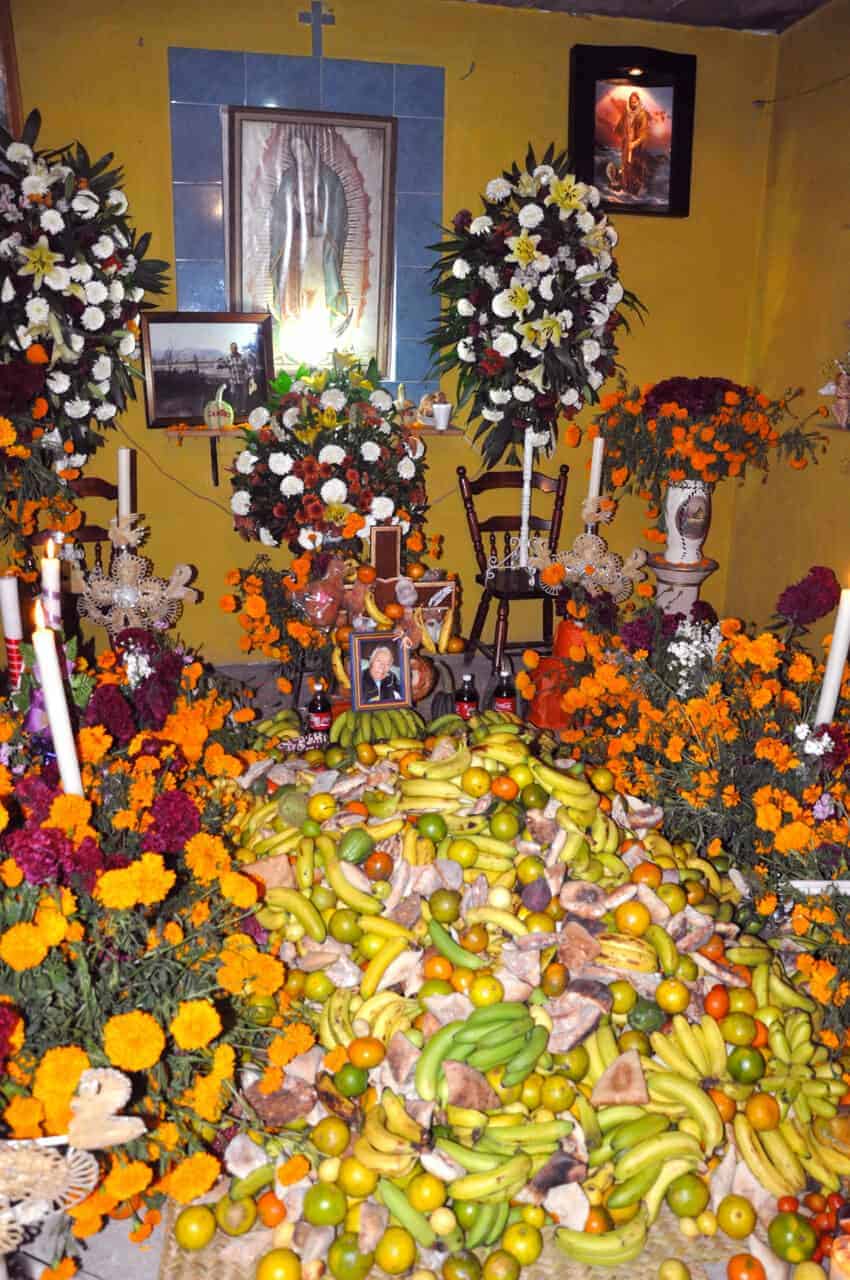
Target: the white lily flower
pixel 481 225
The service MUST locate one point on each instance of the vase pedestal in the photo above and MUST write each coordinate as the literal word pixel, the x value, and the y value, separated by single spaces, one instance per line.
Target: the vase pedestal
pixel 679 584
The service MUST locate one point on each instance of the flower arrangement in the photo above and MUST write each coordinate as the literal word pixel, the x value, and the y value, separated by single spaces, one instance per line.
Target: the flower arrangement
pixel 329 464
pixel 532 301
pixel 124 935
pixel 73 276
pixel 707 429
pixel 712 721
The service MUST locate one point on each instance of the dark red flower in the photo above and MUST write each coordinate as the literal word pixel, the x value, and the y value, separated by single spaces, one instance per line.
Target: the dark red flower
pixel 175 820
pixel 811 598
pixel 40 852
pixel 109 707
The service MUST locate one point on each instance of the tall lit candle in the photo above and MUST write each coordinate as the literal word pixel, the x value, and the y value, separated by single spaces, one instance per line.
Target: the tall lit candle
pixel 831 687
pixel 13 632
pixel 125 483
pixel 56 706
pixel 51 588
pixel 596 460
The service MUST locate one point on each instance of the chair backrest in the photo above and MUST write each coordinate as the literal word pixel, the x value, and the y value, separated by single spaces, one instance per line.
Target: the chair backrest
pixel 85 487
pixel 508 524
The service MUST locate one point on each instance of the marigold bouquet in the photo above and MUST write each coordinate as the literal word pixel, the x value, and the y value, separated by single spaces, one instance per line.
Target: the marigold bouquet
pixel 332 462
pixel 705 429
pixel 125 938
pixel 532 301
pixel 712 721
pixel 73 276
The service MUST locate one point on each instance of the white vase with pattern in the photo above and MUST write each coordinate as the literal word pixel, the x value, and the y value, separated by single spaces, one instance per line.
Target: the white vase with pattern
pixel 687 515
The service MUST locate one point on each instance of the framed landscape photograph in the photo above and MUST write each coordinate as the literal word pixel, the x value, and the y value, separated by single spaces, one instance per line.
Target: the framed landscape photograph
pixel 10 89
pixel 380 670
pixel 189 355
pixel 311 203
pixel 631 126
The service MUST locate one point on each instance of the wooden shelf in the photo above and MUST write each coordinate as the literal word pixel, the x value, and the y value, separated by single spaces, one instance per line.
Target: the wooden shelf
pixel 201 433
pixel 422 430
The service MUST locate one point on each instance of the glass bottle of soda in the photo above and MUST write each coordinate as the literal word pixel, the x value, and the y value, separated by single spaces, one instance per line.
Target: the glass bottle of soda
pixel 466 698
pixel 504 695
pixel 319 714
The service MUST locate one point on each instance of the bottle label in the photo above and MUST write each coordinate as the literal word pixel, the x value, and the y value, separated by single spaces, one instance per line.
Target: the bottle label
pixel 319 721
pixel 465 708
pixel 504 702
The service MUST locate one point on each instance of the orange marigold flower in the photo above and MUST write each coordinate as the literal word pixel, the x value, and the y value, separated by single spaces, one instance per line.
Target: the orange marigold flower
pixel 94 742
pixel 296 1168
pixel 206 857
pixel 24 1117
pixel 335 1059
pixel 296 1039
pixel 22 947
pixel 10 873
pixel 8 435
pixel 766 905
pixel 64 1270
pixel 69 813
pixel 118 889
pixel 531 659
pixel 196 1023
pixel 55 1083
pixel 228 604
pixel 133 1042
pixel 255 606
pixel 192 1177
pixel 553 575
pixel 238 889
pixel 37 354
pixel 127 1179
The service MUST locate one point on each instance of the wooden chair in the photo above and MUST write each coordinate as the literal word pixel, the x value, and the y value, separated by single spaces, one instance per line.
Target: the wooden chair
pixel 94 535
pixel 508 584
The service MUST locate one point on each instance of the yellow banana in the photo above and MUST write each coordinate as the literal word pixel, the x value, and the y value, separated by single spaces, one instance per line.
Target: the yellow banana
pixel 504 920
pixel 446 630
pixel 399 1121
pixel 338 668
pixel 379 964
pixel 384 927
pixel 427 640
pixel 377 615
pixel 301 908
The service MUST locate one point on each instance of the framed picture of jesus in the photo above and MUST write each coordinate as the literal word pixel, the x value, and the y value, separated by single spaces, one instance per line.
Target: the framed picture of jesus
pixel 311 200
pixel 631 126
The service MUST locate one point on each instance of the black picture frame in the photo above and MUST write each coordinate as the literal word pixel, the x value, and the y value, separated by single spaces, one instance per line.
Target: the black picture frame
pixel 363 645
pixel 193 379
pixel 654 177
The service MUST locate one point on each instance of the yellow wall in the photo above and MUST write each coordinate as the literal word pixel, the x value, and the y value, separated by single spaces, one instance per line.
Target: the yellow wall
pixel 797 520
pixel 97 69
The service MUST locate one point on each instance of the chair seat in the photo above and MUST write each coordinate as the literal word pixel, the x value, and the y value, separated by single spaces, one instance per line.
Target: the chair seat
pixel 510 584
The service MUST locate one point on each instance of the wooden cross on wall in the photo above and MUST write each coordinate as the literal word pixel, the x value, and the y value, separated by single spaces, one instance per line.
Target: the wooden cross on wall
pixel 386 560
pixel 317 19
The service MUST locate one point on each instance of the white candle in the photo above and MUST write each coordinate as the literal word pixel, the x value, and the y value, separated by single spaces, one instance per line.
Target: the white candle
pixel 596 460
pixel 831 687
pixel 125 483
pixel 53 688
pixel 51 588
pixel 10 607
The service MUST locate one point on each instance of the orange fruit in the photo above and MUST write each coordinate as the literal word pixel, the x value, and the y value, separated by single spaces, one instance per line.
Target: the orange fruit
pixel 416 570
pixel 367 573
pixel 394 610
pixel 271 1209
pixel 342 635
pixel 762 1111
pixel 456 644
pixel 725 1105
pixel 647 873
pixel 632 918
pixel 504 787
pixel 366 1051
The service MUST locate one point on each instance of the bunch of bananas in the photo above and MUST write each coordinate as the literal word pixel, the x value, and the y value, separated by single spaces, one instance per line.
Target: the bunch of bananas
pixel 390 1139
pixel 283 725
pixel 497 1035
pixel 440 643
pixel 801 1073
pixel 263 832
pixel 693 1050
pixel 354 727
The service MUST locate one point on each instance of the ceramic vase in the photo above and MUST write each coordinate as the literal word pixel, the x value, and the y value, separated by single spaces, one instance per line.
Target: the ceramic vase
pixel 687 514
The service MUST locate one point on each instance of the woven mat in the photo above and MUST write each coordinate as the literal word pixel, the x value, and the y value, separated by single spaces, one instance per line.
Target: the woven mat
pixel 234 1259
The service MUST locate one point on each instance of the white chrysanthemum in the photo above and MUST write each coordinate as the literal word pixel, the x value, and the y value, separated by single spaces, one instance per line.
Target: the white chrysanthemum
pixel 332 399
pixel 523 394
pixel 23 336
pixel 506 344
pixel 51 221
pixel 585 221
pixel 480 226
pixel 333 492
pixel 499 397
pixel 58 382
pixel 37 311
pixel 545 287
pixel 96 292
pixel 86 204
pixel 466 351
pixel 490 276
pixel 245 462
pixel 331 454
pixel 530 215
pixel 93 319
pixel 415 447
pixel 382 508
pixel 240 503
pixel 267 538
pixel 102 387
pixel 369 451
pixel 544 173
pixel 102 368
pixel 58 279
pixel 258 417
pixel 137 294
pixel 614 294
pixel 497 190
pixel 381 400
pixel 570 397
pixel 7 292
pixel 595 379
pixel 592 197
pixel 74 460
pixel 291 485
pixel 292 417
pixel 590 350
pixel 103 247
pixel 460 268
pixel 117 200
pixel 81 272
pixel 105 411
pixel 406 469
pixel 492 415
pixel 76 342
pixel 9 245
pixel 78 408
pixel 310 539
pixel 127 345
pixel 116 291
pixel 280 464
pixel 598 315
pixel 35 184
pixel 18 153
pixel 565 319
pixel 465 307
pixel 586 271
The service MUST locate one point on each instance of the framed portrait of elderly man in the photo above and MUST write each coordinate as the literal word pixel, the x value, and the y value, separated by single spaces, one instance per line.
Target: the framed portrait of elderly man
pixel 380 670
pixel 311 200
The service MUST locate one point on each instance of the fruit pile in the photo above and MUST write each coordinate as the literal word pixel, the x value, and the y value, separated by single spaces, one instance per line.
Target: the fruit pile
pixel 526 1017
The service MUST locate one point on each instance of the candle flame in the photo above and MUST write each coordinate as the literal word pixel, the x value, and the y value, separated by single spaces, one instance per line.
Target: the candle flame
pixel 39 616
pixel 51 550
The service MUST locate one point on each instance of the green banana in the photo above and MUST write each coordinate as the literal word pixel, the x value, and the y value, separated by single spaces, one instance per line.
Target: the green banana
pixel 431 1058
pixel 669 1088
pixel 498 1183
pixel 301 908
pixel 665 1146
pixel 626 1136
pixel 521 1066
pixel 611 1248
pixel 633 1189
pixel 405 1214
pixel 665 948
pixel 453 951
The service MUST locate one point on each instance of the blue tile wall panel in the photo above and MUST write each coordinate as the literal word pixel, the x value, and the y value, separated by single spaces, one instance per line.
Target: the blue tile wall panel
pixel 207 75
pixel 278 80
pixel 201 80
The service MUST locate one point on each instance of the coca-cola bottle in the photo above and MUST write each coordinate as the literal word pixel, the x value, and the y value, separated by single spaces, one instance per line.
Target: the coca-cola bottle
pixel 504 695
pixel 319 713
pixel 466 698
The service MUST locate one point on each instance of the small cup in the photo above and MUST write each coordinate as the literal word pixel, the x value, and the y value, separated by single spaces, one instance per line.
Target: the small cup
pixel 442 415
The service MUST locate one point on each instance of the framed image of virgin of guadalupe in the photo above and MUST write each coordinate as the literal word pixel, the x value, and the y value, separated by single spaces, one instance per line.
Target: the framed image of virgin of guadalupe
pixel 311 201
pixel 631 126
